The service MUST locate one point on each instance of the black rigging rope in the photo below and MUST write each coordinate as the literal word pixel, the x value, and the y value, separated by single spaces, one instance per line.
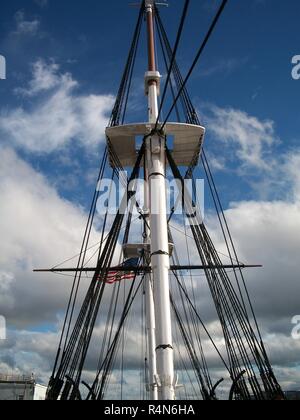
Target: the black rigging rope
pixel 246 354
pixel 237 329
pixel 192 322
pixel 179 34
pixel 107 363
pixel 201 321
pixel 191 117
pixel 77 278
pixel 198 55
pixel 127 75
pixel 87 316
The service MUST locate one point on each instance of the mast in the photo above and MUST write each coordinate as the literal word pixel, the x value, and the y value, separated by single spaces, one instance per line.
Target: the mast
pixel 249 366
pixel 155 170
pixel 150 311
pixel 150 308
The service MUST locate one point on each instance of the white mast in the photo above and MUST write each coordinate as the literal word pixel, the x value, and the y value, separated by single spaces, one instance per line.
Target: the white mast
pixel 155 169
pixel 150 312
pixel 187 145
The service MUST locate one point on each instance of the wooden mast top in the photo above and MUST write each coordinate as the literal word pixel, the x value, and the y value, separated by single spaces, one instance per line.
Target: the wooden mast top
pixel 149 5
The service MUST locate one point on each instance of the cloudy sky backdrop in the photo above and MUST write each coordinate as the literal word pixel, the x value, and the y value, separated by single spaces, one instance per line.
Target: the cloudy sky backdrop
pixel 64 63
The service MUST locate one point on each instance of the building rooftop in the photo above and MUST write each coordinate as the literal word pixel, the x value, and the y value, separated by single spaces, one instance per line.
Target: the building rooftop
pixel 4 378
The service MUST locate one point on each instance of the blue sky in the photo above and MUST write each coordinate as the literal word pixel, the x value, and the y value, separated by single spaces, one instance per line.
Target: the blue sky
pixel 247 64
pixel 64 64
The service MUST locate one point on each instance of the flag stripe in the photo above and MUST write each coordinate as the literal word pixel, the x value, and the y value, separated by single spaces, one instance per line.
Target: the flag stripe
pixel 111 279
pixel 117 276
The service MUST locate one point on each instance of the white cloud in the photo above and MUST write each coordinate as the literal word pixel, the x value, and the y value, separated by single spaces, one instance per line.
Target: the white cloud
pixel 280 183
pixel 45 77
pixel 224 66
pixel 41 3
pixel 58 115
pixel 6 282
pixel 290 171
pixel 265 232
pixel 250 149
pixel 217 163
pixel 244 136
pixel 38 228
pixel 25 27
pixel 268 233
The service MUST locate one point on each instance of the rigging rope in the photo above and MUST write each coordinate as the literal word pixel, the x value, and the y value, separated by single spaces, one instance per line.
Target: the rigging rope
pixel 242 343
pixel 198 55
pixel 247 357
pixel 179 34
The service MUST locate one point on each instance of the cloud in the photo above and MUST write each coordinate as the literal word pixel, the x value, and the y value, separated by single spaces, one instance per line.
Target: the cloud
pixel 217 163
pixel 251 150
pixel 6 281
pixel 40 229
pixel 282 181
pixel 44 78
pixel 224 66
pixel 28 352
pixel 25 27
pixel 244 136
pixel 291 173
pixel 42 3
pixel 267 233
pixel 56 115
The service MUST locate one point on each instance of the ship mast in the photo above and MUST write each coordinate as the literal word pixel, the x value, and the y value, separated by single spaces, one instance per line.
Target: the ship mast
pixel 155 170
pixel 248 365
pixel 149 297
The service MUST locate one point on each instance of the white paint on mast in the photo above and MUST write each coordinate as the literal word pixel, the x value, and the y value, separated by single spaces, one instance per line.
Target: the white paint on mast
pixel 160 259
pixel 150 313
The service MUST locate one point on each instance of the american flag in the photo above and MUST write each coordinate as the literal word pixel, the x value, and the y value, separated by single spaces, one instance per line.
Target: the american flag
pixel 117 276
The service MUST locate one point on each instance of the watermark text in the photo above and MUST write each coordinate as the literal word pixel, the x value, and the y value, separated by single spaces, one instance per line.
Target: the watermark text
pixel 2 328
pixel 2 67
pixel 296 67
pixel 296 329
pixel 181 197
